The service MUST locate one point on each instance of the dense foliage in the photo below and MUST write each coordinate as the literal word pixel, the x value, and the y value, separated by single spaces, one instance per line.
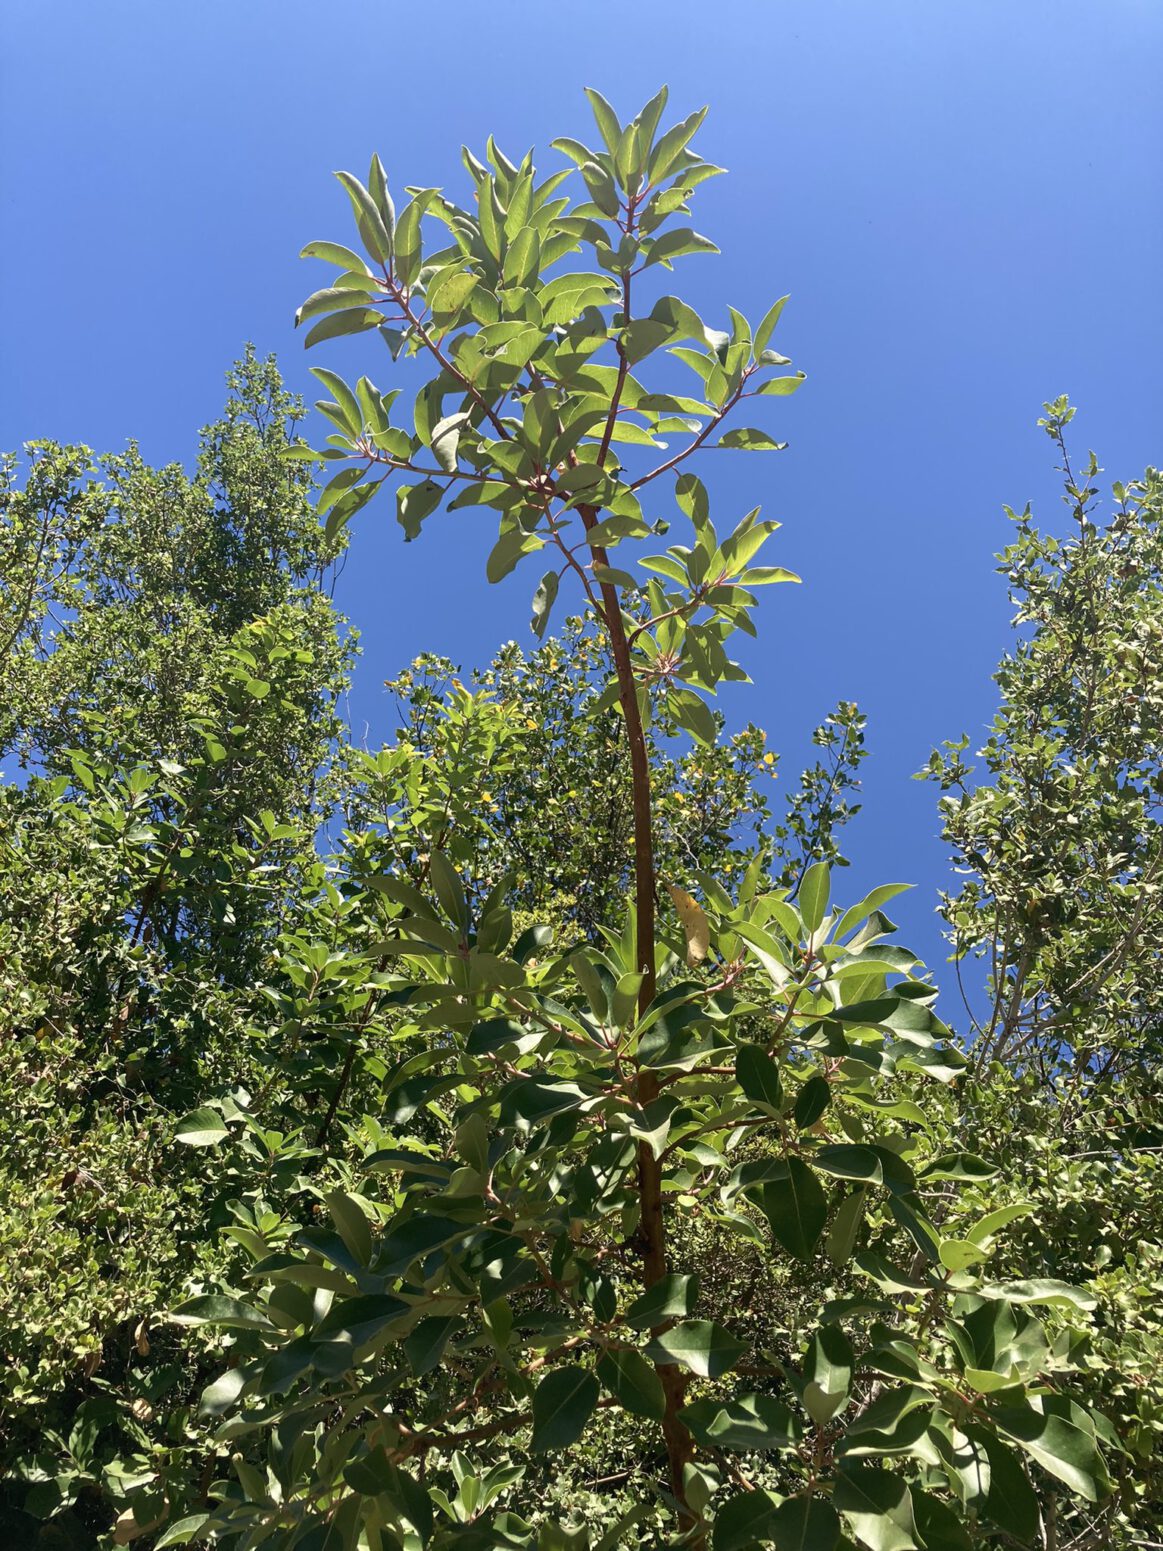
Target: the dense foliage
pixel 501 1137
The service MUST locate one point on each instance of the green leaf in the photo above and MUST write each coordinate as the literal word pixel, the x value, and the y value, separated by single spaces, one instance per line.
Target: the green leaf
pixel 893 1424
pixel 414 503
pixel 747 439
pixel 673 1297
pixel 449 890
pixel 216 1309
pixel 767 575
pixel 957 1254
pixel 758 1076
pixel 770 318
pixel 805 1524
pixel 351 1223
pixel 363 1319
pixel 633 1383
pixel 841 1239
pixel 182 1532
pixel 601 189
pixel 744 1520
pixel 523 258
pixel 814 894
pixel 408 242
pixel 368 218
pixel 1011 1501
pixel 848 1160
pixel 424 1346
pixel 220 1395
pixel 986 1382
pixel 607 120
pixel 780 387
pixel 1060 1447
pixel 856 914
pixel 1040 1290
pixel 992 1221
pixel 811 1101
pixel 446 439
pixel 346 507
pixel 335 253
pixel 938 1527
pixel 758 1422
pixel 449 294
pixel 796 1209
pixel 563 1403
pixel 543 601
pixel 676 243
pixel 330 300
pixel 693 715
pixel 700 1345
pixel 670 147
pixel 877 1507
pixel 508 550
pixel 349 410
pixel 201 1128
pixel 964 1166
pixel 377 184
pixel 642 337
pixel 828 1370
pixel 765 949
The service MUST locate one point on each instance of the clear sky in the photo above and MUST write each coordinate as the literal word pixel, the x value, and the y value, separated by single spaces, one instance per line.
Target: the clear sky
pixel 964 201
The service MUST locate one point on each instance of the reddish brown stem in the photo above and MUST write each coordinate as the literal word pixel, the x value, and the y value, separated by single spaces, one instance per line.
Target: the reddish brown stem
pixel 652 1223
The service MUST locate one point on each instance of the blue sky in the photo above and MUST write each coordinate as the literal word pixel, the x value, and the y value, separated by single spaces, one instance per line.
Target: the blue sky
pixel 963 201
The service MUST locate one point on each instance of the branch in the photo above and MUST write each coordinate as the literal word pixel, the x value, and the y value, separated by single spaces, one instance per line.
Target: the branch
pixel 470 388
pixel 699 439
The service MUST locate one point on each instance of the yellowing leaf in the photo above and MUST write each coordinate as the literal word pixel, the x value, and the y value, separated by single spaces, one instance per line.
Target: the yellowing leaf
pixel 694 924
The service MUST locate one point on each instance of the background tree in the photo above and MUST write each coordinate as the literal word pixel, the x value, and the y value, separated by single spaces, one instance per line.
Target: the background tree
pixel 559 819
pixel 1061 838
pixel 1058 839
pixel 170 682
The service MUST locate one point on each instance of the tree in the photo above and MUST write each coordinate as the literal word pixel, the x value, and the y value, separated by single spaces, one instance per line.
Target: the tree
pixel 508 1258
pixel 549 803
pixel 1058 840
pixel 169 686
pixel 1062 840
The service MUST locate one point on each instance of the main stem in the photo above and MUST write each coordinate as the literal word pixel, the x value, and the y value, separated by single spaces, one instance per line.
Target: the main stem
pixel 651 1222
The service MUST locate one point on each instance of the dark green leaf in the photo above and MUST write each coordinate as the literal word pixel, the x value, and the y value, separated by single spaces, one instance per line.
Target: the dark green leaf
pixel 563 1403
pixel 878 1509
pixel 1065 1450
pixel 673 1297
pixel 424 1346
pixel 700 1345
pixel 805 1524
pixel 743 1520
pixel 757 1422
pixel 811 1101
pixel 758 1076
pixel 828 1370
pixel 796 1209
pixel 632 1382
